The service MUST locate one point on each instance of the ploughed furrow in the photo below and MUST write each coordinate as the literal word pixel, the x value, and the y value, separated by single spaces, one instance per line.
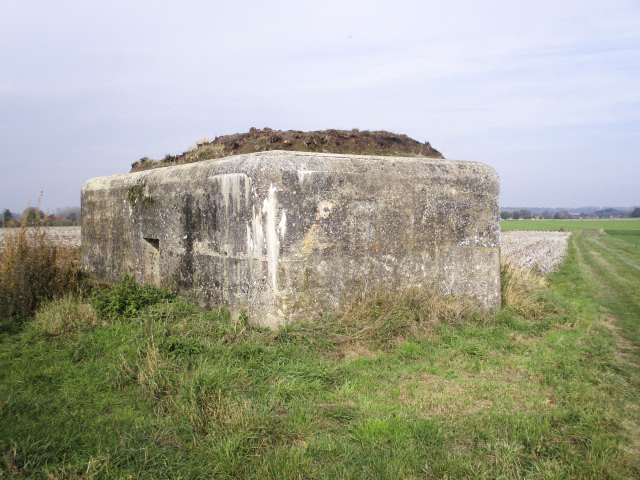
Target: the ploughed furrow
pixel 614 279
pixel 542 251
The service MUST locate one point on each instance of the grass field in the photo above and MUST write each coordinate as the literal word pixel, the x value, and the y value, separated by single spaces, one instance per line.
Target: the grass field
pixel 572 225
pixel 411 387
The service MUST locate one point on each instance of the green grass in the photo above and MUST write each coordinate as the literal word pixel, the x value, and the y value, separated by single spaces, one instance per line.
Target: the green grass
pixel 629 236
pixel 611 262
pixel 175 391
pixel 572 225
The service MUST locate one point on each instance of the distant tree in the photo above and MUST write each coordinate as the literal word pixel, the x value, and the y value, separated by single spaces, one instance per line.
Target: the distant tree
pixel 504 215
pixel 526 214
pixel 6 216
pixel 71 213
pixel 31 214
pixel 608 213
pixel 515 214
pixel 546 214
pixel 635 213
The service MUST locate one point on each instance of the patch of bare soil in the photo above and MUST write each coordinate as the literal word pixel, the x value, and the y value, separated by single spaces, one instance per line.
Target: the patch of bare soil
pixel 352 142
pixel 538 250
pixel 64 236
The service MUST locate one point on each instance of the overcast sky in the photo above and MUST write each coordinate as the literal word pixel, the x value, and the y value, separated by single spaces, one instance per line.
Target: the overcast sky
pixel 546 92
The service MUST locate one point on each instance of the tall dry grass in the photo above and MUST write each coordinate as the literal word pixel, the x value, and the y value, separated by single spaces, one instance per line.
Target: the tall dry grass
pixel 521 288
pixel 375 318
pixel 381 320
pixel 33 269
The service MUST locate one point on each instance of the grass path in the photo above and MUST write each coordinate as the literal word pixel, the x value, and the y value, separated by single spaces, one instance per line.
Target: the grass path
pixel 611 265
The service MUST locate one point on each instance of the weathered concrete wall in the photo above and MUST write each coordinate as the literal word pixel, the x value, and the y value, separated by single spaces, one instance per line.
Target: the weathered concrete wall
pixel 291 234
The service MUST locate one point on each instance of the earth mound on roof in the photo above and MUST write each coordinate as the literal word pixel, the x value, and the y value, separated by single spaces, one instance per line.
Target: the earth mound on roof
pixel 353 142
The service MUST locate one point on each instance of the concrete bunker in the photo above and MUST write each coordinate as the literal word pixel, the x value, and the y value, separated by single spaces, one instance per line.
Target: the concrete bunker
pixel 284 235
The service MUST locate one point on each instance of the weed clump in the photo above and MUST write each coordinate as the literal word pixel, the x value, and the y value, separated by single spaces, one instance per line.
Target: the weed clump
pixel 64 317
pixel 34 269
pixel 126 299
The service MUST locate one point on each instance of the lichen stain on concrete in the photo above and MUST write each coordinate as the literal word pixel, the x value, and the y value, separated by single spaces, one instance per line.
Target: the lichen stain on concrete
pixel 315 238
pixel 286 235
pixel 138 195
pixel 324 209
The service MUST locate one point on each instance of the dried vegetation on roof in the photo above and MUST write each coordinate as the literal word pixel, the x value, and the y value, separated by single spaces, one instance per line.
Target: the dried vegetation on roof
pixel 354 142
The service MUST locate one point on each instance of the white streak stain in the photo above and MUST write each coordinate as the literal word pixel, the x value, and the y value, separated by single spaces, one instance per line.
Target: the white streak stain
pixel 273 244
pixel 282 226
pixel 231 189
pixel 302 174
pixel 258 234
pixel 249 241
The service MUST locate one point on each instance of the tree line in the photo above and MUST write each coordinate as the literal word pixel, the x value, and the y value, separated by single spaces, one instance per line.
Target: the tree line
pixel 516 214
pixel 563 214
pixel 32 216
